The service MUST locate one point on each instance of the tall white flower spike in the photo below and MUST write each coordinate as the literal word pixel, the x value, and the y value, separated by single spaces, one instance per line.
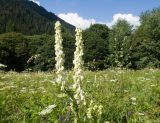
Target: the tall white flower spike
pixel 59 55
pixel 78 67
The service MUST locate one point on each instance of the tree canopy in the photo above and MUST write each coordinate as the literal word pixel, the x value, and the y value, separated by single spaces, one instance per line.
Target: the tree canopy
pixel 120 46
pixel 27 18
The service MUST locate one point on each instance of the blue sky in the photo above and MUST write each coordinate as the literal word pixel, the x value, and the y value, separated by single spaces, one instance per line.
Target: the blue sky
pixel 98 11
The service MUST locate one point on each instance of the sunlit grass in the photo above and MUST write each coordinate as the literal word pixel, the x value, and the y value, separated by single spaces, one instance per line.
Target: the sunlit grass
pixel 126 96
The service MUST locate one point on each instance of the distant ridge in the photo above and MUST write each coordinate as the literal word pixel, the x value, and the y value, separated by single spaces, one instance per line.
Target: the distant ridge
pixel 28 18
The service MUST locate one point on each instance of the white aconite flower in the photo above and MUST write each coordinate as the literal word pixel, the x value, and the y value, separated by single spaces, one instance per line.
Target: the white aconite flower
pixel 59 55
pixel 47 110
pixel 78 67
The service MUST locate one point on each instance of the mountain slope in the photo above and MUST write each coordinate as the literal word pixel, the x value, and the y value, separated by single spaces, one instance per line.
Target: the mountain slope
pixel 27 17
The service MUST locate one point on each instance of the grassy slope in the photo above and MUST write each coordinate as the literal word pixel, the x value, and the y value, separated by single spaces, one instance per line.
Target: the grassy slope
pixel 23 95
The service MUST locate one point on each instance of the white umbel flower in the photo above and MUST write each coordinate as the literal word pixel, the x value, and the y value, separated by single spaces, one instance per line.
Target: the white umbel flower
pixel 59 55
pixel 78 67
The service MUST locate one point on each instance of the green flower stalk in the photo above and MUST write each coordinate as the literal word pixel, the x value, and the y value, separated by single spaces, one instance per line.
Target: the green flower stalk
pixel 78 67
pixel 59 55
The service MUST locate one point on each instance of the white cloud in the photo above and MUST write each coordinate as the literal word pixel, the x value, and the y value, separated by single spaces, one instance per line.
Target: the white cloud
pixel 130 18
pixel 35 1
pixel 76 20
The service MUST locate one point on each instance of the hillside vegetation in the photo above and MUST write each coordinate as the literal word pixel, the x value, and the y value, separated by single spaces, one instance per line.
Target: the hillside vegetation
pixel 28 31
pixel 27 18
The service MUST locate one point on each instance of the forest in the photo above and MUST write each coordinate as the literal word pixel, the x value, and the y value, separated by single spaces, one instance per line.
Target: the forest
pixel 27 40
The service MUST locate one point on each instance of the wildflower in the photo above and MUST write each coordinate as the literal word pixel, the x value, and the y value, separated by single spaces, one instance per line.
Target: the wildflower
pixel 133 99
pixel 32 90
pixel 152 85
pixel 7 88
pixel 113 80
pixel 88 81
pixel 61 95
pixel 89 113
pixel 33 58
pixel 78 64
pixel 95 107
pixel 94 110
pixel 2 65
pixel 107 122
pixel 134 103
pixel 125 91
pixel 23 89
pixel 100 107
pixel 95 79
pixel 47 110
pixel 140 114
pixel 59 55
pixel 89 110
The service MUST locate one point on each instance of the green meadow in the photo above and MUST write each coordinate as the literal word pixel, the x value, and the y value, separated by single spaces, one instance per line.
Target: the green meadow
pixel 127 96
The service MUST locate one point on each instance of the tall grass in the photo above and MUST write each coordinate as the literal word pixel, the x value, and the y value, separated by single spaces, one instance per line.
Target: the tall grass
pixel 126 96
